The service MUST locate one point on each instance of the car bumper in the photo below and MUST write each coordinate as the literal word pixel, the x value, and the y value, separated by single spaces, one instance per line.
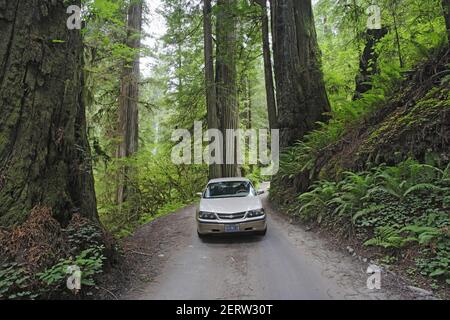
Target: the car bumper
pixel 218 227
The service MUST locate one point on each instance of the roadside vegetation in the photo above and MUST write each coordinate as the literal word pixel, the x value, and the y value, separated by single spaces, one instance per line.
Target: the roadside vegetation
pixel 377 175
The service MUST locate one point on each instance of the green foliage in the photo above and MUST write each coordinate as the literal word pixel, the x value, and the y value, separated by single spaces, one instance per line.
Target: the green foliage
pixel 90 262
pixel 15 282
pixel 435 264
pixel 159 186
pixel 313 205
pixel 302 157
pixel 411 177
pixel 392 207
pixel 389 238
pixel 83 237
pixel 341 28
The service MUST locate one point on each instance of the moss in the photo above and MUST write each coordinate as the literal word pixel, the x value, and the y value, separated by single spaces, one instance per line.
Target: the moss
pixel 410 133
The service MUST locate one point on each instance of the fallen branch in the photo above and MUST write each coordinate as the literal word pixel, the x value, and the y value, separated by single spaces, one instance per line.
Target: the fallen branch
pixel 141 253
pixel 112 294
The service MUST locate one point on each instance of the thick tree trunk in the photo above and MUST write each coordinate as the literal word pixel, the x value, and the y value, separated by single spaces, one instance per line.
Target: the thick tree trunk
pixel 44 152
pixel 215 170
pixel 368 65
pixel 446 7
pixel 268 73
pixel 226 80
pixel 129 97
pixel 301 96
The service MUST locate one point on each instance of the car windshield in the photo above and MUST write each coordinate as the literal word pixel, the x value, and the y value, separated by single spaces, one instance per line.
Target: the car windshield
pixel 229 189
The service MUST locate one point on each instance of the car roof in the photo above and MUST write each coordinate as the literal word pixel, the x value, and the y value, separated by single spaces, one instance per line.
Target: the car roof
pixel 237 179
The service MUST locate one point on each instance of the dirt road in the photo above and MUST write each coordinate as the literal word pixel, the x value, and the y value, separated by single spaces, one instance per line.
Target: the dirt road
pixel 289 263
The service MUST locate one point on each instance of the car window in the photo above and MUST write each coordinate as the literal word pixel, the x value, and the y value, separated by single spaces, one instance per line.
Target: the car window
pixel 229 189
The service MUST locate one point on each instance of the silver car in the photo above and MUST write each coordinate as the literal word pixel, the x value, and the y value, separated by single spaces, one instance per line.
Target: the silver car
pixel 231 205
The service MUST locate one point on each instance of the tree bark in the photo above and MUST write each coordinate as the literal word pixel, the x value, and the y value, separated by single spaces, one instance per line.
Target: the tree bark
pixel 446 7
pixel 268 72
pixel 301 96
pixel 44 153
pixel 215 170
pixel 248 102
pixel 368 65
pixel 129 97
pixel 226 80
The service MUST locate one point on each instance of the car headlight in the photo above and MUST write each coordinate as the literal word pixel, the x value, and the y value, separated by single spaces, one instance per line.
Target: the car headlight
pixel 255 213
pixel 207 215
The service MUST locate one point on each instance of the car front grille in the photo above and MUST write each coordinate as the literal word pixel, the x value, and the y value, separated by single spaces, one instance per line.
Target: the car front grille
pixel 231 216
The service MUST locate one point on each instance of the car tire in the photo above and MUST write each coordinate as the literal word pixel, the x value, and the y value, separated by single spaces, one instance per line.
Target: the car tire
pixel 201 236
pixel 262 233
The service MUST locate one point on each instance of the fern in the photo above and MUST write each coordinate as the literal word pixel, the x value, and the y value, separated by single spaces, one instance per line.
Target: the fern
pixel 425 235
pixel 422 187
pixel 367 211
pixel 389 238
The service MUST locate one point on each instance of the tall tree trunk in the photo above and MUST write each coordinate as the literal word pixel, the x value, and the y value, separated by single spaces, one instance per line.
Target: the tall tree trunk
pixel 215 170
pixel 397 34
pixel 44 153
pixel 301 96
pixel 368 65
pixel 129 97
pixel 226 80
pixel 446 7
pixel 248 102
pixel 268 72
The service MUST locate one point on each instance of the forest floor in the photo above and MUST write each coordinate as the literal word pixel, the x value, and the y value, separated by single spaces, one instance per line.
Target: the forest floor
pixel 165 259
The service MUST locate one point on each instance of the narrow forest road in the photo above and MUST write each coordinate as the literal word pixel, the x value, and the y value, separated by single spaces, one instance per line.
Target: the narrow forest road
pixel 289 263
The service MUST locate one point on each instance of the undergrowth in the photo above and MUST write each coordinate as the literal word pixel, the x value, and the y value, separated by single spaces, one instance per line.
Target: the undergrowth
pixel 38 257
pixel 389 207
pixel 378 172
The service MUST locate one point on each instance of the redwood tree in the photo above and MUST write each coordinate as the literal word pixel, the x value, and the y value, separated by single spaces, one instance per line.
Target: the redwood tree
pixel 268 73
pixel 226 75
pixel 215 170
pixel 129 97
pixel 44 152
pixel 301 96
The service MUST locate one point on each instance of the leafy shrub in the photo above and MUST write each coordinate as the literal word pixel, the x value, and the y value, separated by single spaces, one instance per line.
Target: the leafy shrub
pixel 389 238
pixel 156 183
pixel 15 282
pixel 389 207
pixel 90 262
pixel 83 234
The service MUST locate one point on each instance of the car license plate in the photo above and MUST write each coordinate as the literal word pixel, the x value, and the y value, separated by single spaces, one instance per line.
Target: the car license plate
pixel 231 228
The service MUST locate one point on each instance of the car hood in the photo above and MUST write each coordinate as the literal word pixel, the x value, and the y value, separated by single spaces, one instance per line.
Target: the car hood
pixel 230 205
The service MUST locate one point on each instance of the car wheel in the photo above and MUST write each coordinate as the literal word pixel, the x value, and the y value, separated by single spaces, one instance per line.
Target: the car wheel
pixel 201 236
pixel 262 233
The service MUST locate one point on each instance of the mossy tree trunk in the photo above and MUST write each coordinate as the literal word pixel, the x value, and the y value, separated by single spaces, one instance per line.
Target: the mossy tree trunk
pixel 446 8
pixel 44 153
pixel 301 96
pixel 368 65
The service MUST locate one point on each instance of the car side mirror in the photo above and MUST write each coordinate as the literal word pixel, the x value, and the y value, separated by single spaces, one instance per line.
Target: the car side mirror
pixel 200 194
pixel 260 192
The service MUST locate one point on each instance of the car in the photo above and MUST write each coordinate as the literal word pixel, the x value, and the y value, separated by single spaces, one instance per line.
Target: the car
pixel 230 206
